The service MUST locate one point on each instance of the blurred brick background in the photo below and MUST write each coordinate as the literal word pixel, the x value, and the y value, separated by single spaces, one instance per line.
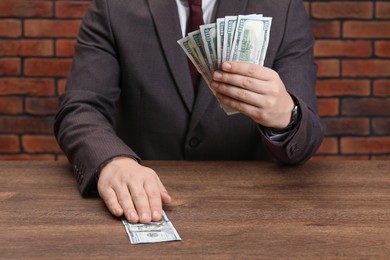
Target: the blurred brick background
pixel 352 51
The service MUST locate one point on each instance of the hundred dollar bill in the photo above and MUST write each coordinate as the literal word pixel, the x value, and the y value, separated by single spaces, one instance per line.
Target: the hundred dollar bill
pixel 209 38
pixel 197 43
pixel 220 36
pixel 251 39
pixel 188 47
pixel 230 28
pixel 153 232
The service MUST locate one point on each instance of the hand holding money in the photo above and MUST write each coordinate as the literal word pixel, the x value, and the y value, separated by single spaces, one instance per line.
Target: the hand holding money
pixel 236 38
pixel 230 54
pixel 255 91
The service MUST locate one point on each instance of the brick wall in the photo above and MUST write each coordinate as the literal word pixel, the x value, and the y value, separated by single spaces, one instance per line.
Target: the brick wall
pixel 352 51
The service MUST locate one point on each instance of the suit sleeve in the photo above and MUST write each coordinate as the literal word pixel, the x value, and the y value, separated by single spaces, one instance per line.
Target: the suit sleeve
pixel 84 124
pixel 295 65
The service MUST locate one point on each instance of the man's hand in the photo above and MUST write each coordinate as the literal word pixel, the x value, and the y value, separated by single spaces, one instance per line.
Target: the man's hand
pixel 133 190
pixel 255 91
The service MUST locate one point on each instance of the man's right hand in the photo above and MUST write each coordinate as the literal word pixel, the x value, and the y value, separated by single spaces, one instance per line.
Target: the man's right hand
pixel 132 190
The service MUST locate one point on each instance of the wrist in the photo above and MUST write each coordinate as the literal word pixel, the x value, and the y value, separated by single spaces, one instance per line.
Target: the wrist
pixel 111 160
pixel 295 115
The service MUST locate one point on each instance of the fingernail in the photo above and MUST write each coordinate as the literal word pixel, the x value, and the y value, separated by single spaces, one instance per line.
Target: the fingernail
pixel 117 211
pixel 133 215
pixel 217 75
pixel 156 215
pixel 226 66
pixel 145 217
pixel 214 84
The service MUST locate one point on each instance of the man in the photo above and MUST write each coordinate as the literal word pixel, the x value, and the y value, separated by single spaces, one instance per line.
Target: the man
pixel 130 97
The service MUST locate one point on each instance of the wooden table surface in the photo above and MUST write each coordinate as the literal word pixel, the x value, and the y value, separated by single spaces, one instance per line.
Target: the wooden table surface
pixel 321 210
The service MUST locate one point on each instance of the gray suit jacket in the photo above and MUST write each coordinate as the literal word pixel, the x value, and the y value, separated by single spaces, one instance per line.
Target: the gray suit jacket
pixel 128 66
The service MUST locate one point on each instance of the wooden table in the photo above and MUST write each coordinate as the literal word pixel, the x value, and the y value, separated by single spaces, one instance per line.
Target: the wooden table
pixel 324 209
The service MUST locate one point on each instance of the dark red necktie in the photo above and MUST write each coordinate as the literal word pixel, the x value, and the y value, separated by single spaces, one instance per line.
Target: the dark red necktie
pixel 194 21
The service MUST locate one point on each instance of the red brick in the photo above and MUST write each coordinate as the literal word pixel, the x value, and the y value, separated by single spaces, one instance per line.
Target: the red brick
pixel 47 67
pixel 65 48
pixel 367 29
pixel 11 105
pixel 51 28
pixel 366 106
pixel 346 126
pixel 9 144
pixel 366 145
pixel 329 48
pixel 328 29
pixel 332 10
pixel 382 49
pixel 26 48
pixel 61 85
pixel 24 124
pixel 25 8
pixel 29 157
pixel 42 106
pixel 10 28
pixel 40 144
pixel 328 146
pixel 9 66
pixel 381 126
pixel 366 68
pixel 328 68
pixel 382 88
pixel 343 87
pixel 382 9
pixel 71 9
pixel 27 86
pixel 328 106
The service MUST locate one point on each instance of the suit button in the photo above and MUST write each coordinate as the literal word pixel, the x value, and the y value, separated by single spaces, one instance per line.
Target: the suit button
pixel 194 141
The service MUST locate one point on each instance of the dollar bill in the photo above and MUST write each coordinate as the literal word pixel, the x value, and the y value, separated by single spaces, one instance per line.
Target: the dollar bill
pixel 220 37
pixel 189 49
pixel 251 39
pixel 197 43
pixel 209 38
pixel 154 232
pixel 230 28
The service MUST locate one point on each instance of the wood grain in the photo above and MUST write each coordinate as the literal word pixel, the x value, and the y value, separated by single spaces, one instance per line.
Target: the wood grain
pixel 223 210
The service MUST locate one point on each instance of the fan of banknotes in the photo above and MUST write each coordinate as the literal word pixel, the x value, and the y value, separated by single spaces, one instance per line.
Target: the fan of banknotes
pixel 233 38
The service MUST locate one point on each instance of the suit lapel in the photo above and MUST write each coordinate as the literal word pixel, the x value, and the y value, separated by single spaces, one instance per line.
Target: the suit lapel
pixel 204 95
pixel 167 23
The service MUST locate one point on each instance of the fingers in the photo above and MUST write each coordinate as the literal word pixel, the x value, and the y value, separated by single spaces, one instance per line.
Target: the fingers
pixel 164 193
pixel 252 77
pixel 249 70
pixel 118 201
pixel 135 192
pixel 110 199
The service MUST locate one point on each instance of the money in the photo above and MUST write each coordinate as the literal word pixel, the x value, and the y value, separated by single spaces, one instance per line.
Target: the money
pixel 251 39
pixel 153 232
pixel 232 38
pixel 230 28
pixel 209 38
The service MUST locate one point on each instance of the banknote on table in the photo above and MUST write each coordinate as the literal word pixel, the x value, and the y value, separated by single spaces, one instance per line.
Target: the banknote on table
pixel 153 232
pixel 232 38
